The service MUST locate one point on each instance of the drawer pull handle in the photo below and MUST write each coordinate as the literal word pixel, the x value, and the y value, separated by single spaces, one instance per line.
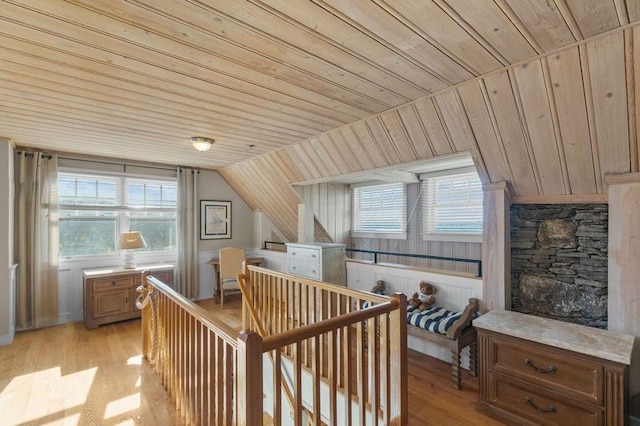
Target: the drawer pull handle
pixel 113 283
pixel 551 409
pixel 550 369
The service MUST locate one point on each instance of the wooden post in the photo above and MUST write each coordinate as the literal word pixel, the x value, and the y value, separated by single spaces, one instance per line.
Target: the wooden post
pixel 145 320
pixel 245 312
pixel 249 379
pixel 624 268
pixel 496 247
pixel 399 408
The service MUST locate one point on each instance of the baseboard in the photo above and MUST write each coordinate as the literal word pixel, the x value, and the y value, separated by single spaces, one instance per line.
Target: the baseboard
pixel 70 317
pixel 6 339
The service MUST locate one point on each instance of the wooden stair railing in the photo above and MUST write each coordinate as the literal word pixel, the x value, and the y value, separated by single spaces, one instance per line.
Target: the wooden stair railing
pixel 356 355
pixel 193 357
pixel 214 376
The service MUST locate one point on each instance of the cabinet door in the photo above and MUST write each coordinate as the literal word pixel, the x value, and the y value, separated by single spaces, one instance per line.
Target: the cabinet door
pixel 112 303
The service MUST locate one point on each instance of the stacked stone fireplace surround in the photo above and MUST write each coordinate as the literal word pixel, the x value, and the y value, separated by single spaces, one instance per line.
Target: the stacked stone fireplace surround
pixel 559 261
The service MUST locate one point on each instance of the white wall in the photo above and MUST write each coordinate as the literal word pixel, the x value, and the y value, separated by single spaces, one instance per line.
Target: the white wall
pixel 212 187
pixel 7 323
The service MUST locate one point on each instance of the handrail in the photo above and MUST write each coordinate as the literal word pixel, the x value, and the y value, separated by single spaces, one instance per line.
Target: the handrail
pixel 194 357
pixel 200 314
pixel 375 253
pixel 320 335
pixel 325 326
pixel 345 291
pixel 419 256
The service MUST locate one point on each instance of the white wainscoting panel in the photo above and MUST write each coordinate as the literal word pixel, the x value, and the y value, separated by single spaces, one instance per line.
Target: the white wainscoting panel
pixel 453 293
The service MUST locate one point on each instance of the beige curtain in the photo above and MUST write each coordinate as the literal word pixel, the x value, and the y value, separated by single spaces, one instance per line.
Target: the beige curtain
pixel 188 210
pixel 37 240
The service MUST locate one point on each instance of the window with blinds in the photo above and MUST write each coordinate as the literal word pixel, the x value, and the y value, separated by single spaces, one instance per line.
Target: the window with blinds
pixel 452 206
pixel 379 211
pixel 95 209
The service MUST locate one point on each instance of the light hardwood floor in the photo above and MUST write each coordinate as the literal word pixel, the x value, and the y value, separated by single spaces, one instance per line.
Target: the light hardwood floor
pixel 68 375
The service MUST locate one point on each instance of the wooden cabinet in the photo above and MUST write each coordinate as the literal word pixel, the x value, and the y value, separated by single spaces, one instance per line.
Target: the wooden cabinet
pixel 110 294
pixel 537 371
pixel 318 261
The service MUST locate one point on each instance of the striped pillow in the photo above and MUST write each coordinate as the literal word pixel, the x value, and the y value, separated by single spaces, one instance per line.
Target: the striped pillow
pixel 435 319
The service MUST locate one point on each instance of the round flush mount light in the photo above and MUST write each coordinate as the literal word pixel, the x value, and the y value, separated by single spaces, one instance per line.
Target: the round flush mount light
pixel 201 143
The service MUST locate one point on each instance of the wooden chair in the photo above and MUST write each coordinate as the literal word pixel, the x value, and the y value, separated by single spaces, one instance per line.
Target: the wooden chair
pixel 231 259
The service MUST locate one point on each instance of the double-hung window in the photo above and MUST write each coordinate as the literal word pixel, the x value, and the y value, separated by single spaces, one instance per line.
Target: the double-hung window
pixel 94 209
pixel 452 206
pixel 379 211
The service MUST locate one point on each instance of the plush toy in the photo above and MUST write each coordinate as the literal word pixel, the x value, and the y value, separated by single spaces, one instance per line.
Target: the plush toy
pixel 378 288
pixel 424 298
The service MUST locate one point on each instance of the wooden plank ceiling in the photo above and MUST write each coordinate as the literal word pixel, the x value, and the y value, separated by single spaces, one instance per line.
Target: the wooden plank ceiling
pixel 542 92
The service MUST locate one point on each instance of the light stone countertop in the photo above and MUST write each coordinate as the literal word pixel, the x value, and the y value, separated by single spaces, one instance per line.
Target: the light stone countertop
pixel 591 341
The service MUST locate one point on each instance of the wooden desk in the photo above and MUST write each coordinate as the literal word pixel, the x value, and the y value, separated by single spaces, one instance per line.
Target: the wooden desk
pixel 257 261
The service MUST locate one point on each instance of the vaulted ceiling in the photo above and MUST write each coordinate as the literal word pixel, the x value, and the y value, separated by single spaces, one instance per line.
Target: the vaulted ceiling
pixel 541 92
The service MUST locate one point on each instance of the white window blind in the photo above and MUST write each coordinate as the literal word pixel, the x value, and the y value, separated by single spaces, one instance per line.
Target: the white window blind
pixel 380 209
pixel 452 207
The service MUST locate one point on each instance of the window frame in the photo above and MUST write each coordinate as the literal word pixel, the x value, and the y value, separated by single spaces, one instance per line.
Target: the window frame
pixel 386 234
pixel 121 209
pixel 429 235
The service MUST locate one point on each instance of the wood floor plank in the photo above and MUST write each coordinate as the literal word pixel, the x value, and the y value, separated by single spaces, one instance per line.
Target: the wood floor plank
pixel 68 375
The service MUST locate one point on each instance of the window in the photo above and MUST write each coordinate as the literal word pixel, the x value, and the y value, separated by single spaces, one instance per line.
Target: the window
pixel 95 209
pixel 452 206
pixel 380 210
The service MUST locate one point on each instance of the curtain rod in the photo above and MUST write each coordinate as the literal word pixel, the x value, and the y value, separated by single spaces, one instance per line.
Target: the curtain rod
pixel 100 161
pixel 30 154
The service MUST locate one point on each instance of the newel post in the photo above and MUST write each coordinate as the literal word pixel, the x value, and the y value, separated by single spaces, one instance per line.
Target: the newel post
pixel 145 315
pixel 399 409
pixel 249 379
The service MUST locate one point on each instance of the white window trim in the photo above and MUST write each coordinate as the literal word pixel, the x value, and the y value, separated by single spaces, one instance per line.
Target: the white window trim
pixel 440 236
pixel 122 220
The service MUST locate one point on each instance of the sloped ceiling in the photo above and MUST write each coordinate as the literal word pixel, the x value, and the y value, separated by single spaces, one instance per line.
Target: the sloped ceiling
pixel 542 92
pixel 552 127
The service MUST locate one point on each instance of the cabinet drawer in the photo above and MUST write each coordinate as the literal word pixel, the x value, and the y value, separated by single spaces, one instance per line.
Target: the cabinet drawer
pixel 106 284
pixel 305 269
pixel 540 407
pixel 308 254
pixel 558 371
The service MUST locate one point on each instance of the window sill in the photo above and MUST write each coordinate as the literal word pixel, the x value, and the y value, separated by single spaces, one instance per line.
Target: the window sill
pixel 380 235
pixel 461 238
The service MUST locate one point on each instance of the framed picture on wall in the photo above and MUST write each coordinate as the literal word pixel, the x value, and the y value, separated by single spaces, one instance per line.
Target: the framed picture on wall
pixel 215 220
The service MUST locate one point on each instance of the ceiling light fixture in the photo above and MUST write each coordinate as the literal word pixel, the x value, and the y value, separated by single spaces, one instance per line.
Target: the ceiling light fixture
pixel 201 143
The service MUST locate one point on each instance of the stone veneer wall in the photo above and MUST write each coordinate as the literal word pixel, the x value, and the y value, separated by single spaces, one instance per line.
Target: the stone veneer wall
pixel 559 261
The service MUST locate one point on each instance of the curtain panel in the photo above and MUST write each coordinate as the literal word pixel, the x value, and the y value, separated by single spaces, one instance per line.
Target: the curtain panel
pixel 187 223
pixel 37 240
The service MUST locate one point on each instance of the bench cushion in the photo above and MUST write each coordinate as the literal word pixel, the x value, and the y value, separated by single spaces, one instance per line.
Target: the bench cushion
pixel 435 319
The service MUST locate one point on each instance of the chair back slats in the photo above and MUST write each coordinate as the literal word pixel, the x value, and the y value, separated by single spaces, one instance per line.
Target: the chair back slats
pixel 231 260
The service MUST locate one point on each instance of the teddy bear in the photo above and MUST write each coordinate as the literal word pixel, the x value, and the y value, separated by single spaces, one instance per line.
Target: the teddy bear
pixel 378 288
pixel 424 298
